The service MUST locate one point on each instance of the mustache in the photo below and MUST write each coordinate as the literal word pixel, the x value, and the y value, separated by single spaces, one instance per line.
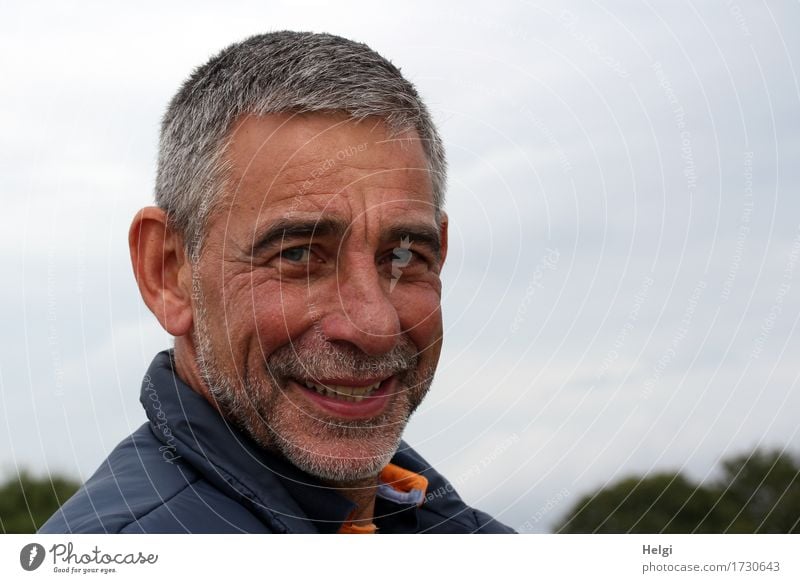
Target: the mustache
pixel 318 358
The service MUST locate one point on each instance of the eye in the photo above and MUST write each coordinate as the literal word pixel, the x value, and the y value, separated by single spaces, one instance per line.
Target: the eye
pixel 403 261
pixel 401 257
pixel 296 254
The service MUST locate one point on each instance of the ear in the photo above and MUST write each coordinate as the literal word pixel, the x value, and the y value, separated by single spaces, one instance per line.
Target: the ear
pixel 443 222
pixel 162 270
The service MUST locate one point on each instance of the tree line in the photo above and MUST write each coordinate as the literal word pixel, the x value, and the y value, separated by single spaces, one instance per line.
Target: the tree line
pixel 754 493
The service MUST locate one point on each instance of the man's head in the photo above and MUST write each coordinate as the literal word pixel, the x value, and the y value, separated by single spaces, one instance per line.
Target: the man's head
pixel 296 250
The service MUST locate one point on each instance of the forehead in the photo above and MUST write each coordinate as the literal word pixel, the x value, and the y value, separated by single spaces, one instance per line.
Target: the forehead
pixel 324 162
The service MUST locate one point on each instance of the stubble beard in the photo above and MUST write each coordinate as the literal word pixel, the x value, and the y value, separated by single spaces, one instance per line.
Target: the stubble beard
pixel 333 450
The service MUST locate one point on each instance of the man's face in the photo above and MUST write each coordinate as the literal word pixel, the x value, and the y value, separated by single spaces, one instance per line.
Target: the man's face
pixel 317 322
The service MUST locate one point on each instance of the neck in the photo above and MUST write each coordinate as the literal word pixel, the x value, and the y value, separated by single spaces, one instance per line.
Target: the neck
pixel 362 494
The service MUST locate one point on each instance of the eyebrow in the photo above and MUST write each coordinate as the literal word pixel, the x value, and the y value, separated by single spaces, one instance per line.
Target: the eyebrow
pixel 285 228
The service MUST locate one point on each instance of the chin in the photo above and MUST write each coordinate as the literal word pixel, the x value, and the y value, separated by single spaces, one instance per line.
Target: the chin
pixel 334 451
pixel 340 462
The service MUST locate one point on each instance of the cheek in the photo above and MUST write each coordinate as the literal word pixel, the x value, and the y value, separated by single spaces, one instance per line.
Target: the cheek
pixel 251 315
pixel 421 317
pixel 278 315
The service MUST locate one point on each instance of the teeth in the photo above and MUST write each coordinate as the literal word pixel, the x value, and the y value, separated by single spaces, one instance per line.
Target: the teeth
pixel 352 394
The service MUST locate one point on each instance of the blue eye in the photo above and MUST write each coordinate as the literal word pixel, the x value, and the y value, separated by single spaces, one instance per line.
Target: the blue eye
pixel 401 257
pixel 296 254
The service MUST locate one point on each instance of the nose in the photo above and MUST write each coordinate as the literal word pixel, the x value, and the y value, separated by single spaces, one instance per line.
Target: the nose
pixel 360 310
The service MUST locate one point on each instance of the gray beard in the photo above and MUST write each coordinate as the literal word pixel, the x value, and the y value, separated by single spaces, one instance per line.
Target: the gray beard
pixel 251 403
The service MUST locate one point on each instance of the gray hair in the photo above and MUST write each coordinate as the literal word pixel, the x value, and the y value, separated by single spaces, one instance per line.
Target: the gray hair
pixel 276 73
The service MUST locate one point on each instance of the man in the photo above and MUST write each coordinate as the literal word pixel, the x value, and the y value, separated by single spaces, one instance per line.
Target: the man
pixel 294 255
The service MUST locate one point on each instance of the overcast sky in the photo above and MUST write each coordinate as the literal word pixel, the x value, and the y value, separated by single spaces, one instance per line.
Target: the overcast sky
pixel 622 291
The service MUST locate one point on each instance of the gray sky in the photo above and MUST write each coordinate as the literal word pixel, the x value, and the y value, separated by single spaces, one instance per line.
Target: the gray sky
pixel 623 288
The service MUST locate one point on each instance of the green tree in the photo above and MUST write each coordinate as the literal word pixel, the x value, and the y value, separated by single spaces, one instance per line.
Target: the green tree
pixel 660 503
pixel 761 493
pixel 755 493
pixel 27 502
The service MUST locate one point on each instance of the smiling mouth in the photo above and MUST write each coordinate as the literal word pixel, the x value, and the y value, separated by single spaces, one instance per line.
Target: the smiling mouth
pixel 343 392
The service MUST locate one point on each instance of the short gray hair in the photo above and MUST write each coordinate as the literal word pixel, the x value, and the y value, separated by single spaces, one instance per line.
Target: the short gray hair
pixel 275 73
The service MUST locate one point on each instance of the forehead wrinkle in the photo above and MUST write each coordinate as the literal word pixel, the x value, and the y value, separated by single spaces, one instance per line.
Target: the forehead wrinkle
pixel 377 168
pixel 255 176
pixel 306 183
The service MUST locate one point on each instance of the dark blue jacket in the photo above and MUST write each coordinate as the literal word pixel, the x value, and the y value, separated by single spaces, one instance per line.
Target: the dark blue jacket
pixel 187 470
